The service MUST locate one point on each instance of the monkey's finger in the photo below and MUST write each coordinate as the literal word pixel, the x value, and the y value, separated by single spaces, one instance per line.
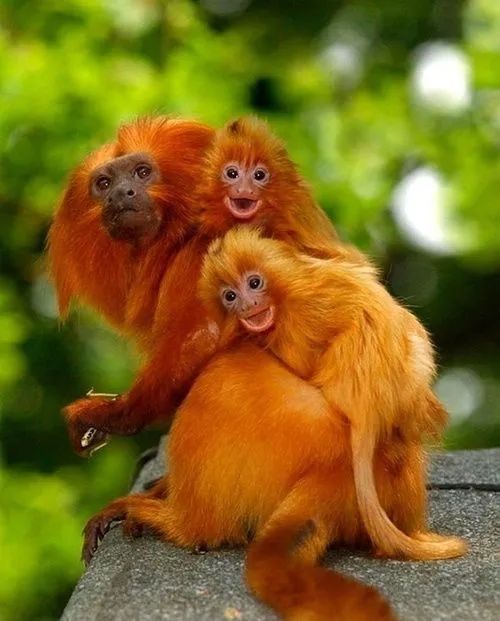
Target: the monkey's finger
pixel 92 536
pixel 108 395
pixel 200 548
pixel 94 532
pixel 93 440
pixel 132 528
pixel 88 436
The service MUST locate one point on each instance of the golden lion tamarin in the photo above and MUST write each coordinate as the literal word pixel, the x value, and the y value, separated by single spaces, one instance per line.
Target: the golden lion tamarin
pixel 129 237
pixel 336 326
pixel 124 242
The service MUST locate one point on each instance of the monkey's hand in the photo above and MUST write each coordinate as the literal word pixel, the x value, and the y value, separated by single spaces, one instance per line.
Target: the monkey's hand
pixel 91 420
pixel 100 524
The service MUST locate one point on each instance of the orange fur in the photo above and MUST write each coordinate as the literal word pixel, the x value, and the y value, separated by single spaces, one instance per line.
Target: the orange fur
pixel 260 460
pixel 147 292
pixel 112 276
pixel 339 329
pixel 250 142
pixel 249 456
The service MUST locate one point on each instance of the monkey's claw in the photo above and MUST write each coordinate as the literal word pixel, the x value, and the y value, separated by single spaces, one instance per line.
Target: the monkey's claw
pixel 94 532
pixel 200 549
pixel 132 528
pixel 93 440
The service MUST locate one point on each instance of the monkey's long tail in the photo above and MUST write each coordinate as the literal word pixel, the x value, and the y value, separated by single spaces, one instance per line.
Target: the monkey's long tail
pixel 383 532
pixel 281 570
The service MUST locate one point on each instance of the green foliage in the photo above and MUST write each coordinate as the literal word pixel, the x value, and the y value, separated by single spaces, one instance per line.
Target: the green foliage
pixel 40 527
pixel 338 81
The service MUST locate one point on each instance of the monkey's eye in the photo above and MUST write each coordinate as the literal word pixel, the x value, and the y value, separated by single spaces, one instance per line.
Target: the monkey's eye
pixel 255 282
pixel 229 296
pixel 261 174
pixel 102 182
pixel 142 171
pixel 231 173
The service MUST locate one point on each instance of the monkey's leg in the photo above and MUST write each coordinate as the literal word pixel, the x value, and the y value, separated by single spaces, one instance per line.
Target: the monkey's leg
pixel 100 523
pixel 281 564
pixel 171 525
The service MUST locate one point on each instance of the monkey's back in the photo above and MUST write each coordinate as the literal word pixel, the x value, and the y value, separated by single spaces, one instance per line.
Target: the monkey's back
pixel 247 431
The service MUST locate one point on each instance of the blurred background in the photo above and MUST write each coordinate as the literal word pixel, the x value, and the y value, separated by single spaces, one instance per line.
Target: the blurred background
pixel 392 110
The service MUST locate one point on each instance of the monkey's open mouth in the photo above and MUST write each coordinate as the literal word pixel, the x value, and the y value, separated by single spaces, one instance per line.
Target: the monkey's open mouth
pixel 242 208
pixel 260 321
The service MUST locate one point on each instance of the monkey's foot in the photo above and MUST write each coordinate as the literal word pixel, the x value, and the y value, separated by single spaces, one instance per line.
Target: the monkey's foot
pixel 132 528
pixel 98 526
pixel 200 548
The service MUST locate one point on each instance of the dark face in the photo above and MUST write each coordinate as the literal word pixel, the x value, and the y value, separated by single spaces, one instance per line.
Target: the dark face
pixel 245 189
pixel 250 301
pixel 120 187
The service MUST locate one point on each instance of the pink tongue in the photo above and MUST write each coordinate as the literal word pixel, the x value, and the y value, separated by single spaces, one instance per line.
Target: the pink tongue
pixel 243 203
pixel 259 319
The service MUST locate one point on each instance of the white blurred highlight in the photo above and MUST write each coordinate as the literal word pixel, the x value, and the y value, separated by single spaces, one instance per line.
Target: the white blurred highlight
pixel 418 207
pixel 441 80
pixel 461 391
pixel 344 60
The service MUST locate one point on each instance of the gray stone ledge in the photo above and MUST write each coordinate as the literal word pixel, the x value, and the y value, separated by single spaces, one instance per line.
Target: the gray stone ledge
pixel 147 580
pixel 466 467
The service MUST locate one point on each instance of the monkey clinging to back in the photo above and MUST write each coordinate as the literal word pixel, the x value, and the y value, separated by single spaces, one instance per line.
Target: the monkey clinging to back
pixel 335 325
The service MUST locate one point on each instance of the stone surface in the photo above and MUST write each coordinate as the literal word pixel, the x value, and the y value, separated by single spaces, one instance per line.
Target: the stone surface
pixel 147 580
pixel 474 468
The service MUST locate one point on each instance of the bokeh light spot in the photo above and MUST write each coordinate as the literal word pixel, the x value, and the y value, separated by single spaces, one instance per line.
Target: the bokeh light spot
pixel 418 208
pixel 461 391
pixel 441 80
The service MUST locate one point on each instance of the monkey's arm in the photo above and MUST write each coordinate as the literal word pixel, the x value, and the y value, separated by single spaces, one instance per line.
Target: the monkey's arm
pixel 158 388
pixel 182 340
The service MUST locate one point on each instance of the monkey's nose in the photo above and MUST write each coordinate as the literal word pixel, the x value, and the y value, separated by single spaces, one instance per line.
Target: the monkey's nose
pixel 245 188
pixel 123 192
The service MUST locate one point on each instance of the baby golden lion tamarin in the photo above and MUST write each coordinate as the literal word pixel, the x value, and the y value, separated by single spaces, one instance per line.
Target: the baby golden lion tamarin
pixel 333 324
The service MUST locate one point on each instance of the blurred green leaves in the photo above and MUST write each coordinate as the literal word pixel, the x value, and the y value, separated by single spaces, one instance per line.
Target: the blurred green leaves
pixel 41 520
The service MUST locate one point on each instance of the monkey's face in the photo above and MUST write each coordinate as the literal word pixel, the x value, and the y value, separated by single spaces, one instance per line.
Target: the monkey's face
pixel 250 301
pixel 121 189
pixel 244 188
